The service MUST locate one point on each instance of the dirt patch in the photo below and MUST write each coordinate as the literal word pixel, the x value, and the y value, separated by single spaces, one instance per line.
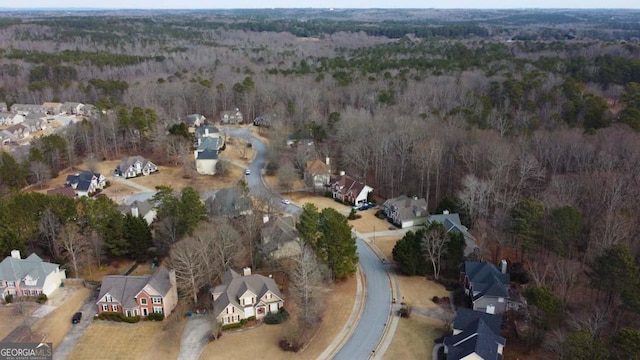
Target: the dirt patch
pixel 55 325
pixel 112 341
pixel 418 291
pixel 414 338
pixel 114 267
pixel 244 345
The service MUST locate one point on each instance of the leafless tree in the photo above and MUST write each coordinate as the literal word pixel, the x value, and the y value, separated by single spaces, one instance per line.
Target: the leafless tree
pixel 306 288
pixel 96 244
pixel 475 196
pixel 166 234
pixel 49 227
pixel 565 277
pixel 287 176
pixel 227 244
pixel 41 172
pixel 73 246
pixel 433 246
pixel 540 266
pixel 186 259
pixel 592 320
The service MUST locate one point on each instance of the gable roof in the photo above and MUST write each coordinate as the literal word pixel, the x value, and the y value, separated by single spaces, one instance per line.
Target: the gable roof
pixel 160 281
pixel 478 338
pixel 408 207
pixel 192 118
pixel 318 167
pixel 144 207
pixel 228 202
pixel 130 161
pixel 123 288
pixel 12 269
pixel 234 285
pixel 347 185
pixel 468 317
pixel 277 231
pixel 451 222
pixel 487 279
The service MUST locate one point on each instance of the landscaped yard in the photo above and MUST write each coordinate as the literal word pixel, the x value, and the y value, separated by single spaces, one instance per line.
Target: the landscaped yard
pixel 301 198
pixel 243 345
pixel 10 318
pixel 369 223
pixel 414 338
pixel 418 291
pixel 54 326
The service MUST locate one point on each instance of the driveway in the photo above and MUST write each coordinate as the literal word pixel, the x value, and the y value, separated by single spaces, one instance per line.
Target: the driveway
pixel 70 340
pixel 194 337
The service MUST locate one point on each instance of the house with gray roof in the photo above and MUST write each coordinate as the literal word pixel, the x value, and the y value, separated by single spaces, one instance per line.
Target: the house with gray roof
pixel 265 120
pixel 206 155
pixel 231 117
pixel 486 286
pixel 28 108
pixel 475 336
pixel 405 211
pixel 133 166
pixel 451 222
pixel 194 120
pixel 229 202
pixel 139 295
pixel 86 183
pixel 244 296
pixel 29 277
pixel 72 108
pixel 143 209
pixel 279 238
pixel 207 131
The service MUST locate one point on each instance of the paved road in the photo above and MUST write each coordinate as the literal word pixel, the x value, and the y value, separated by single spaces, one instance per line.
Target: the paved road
pixel 70 340
pixel 377 308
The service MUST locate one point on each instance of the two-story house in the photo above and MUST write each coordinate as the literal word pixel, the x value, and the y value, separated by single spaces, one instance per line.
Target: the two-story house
pixel 29 277
pixel 85 183
pixel 231 117
pixel 279 237
pixel 476 335
pixel 486 286
pixel 244 296
pixel 451 222
pixel 137 208
pixel 318 174
pixel 405 211
pixel 139 295
pixel 347 189
pixel 133 166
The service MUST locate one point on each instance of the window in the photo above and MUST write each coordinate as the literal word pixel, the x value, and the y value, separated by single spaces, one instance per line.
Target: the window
pixel 156 300
pixel 109 298
pixel 500 300
pixel 11 283
pixel 114 307
pixel 143 301
pixel 128 313
pixel 105 307
pixel 25 292
pixel 157 309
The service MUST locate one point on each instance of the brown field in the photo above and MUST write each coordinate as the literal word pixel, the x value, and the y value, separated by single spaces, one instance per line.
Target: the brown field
pixel 54 326
pixel 414 338
pixel 418 291
pixel 10 318
pixel 166 344
pixel 114 267
pixel 386 244
pixel 174 176
pixel 369 223
pixel 234 151
pixel 273 183
pixel 109 340
pixel 242 346
pixel 301 198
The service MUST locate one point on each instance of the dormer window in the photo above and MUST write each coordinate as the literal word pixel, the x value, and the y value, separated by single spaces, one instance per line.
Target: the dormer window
pixel 109 298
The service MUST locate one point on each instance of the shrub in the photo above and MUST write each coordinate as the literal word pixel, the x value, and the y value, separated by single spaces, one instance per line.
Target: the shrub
pixel 42 299
pixel 232 326
pixel 251 318
pixel 276 318
pixel 244 322
pixel 111 316
pixel 435 299
pixel 8 299
pixel 131 319
pixel 155 317
pixel 352 215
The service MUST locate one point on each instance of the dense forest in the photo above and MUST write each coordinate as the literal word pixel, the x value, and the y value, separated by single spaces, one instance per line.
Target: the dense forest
pixel 523 121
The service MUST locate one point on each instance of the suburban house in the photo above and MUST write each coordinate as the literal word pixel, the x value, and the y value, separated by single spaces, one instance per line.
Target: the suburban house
pixel 28 277
pixel 229 202
pixel 7 137
pixel 405 211
pixel 34 123
pixel 207 131
pixel 244 296
pixel 6 118
pixel 3 107
pixel 143 209
pixel 486 286
pixel 139 295
pixel 231 117
pixel 317 173
pixel 28 108
pixel 72 108
pixel 86 182
pixel 133 166
pixel 52 108
pixel 206 155
pixel 451 222
pixel 347 189
pixel 476 335
pixel 64 191
pixel 193 121
pixel 279 237
pixel 265 120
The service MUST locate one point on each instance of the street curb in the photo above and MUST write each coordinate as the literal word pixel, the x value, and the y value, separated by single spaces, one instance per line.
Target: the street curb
pixel 356 313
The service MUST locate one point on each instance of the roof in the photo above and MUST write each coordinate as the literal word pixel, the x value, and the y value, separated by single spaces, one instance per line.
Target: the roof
pixel 478 338
pixel 346 184
pixel 192 118
pixel 160 281
pixel 451 222
pixel 468 317
pixel 201 131
pixel 234 285
pixel 80 177
pixel 83 185
pixel 228 202
pixel 207 154
pixel 131 160
pixel 408 207
pixel 12 269
pixel 144 207
pixel 318 167
pixel 487 279
pixel 277 231
pixel 65 191
pixel 123 288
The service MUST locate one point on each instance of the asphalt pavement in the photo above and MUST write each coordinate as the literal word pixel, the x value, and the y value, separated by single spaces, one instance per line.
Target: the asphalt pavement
pixel 70 340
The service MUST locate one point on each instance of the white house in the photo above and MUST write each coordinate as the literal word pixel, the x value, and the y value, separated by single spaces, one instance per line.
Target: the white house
pixel 29 277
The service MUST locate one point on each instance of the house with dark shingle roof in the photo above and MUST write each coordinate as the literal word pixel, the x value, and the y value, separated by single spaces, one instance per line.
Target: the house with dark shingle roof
pixel 193 121
pixel 231 117
pixel 486 286
pixel 318 173
pixel 279 237
pixel 405 211
pixel 243 296
pixel 476 335
pixel 85 183
pixel 229 202
pixel 206 155
pixel 139 295
pixel 28 277
pixel 347 189
pixel 143 209
pixel 451 222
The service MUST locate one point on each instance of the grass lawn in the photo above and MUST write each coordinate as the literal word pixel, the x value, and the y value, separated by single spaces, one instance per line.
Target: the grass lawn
pixel 369 223
pixel 386 244
pixel 301 198
pixel 112 341
pixel 11 319
pixel 414 338
pixel 243 345
pixel 418 291
pixel 54 326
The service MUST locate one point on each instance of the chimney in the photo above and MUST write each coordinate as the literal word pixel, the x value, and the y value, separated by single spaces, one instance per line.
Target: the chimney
pixel 134 211
pixel 15 254
pixel 172 277
pixel 246 271
pixel 326 161
pixel 503 266
pixel 446 212
pixel 206 131
pixel 265 218
pixel 270 276
pixel 342 173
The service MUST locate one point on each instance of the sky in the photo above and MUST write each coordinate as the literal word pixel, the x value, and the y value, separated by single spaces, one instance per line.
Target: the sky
pixel 253 4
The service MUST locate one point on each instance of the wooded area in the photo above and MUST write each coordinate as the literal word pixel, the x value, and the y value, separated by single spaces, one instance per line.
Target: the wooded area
pixel 524 122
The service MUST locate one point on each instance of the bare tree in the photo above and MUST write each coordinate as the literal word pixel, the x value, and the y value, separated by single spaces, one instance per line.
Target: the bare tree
pixel 41 172
pixel 227 244
pixel 96 244
pixel 565 278
pixel 540 266
pixel 186 259
pixel 287 175
pixel 592 320
pixel 73 246
pixel 306 288
pixel 49 227
pixel 433 245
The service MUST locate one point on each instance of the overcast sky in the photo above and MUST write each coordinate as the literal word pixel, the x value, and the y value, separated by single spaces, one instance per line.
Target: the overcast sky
pixel 238 4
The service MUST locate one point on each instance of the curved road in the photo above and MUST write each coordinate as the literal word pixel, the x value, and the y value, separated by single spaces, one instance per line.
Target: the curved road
pixel 377 308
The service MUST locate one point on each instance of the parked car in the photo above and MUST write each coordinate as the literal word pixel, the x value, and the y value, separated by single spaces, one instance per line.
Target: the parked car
pixel 286 202
pixel 76 318
pixel 247 172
